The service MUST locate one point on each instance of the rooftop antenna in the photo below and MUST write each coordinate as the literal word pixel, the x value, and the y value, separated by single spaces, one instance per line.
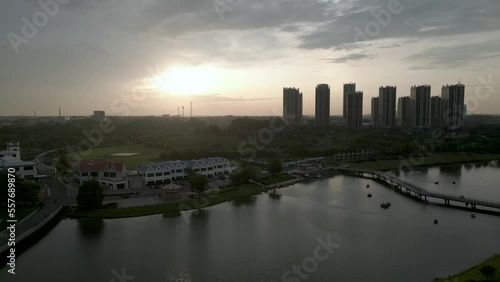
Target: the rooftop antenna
pixel 59 111
pixel 191 104
pixel 182 111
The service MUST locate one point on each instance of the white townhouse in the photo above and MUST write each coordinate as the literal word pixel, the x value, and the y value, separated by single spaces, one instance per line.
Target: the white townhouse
pixel 112 175
pixel 166 172
pixel 25 170
pixel 11 158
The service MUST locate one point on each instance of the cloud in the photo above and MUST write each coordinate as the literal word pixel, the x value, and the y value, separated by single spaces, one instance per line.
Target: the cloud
pixel 217 99
pixel 455 56
pixel 417 19
pixel 350 57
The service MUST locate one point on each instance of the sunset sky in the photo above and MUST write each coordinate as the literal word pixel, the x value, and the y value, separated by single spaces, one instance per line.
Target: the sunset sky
pixel 233 57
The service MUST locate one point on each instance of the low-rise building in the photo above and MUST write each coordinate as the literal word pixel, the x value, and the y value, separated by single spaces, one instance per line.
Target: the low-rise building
pixel 166 172
pixel 112 175
pixel 25 170
pixel 11 158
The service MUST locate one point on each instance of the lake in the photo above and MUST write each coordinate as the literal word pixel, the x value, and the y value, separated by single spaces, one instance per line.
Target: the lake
pixel 328 230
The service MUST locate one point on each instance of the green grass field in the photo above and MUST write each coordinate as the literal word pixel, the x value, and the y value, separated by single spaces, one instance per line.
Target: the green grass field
pixel 473 274
pixel 434 159
pixel 145 154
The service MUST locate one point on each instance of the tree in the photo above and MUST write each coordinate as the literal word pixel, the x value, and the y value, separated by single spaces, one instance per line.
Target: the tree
pixel 198 182
pixel 62 163
pixel 488 272
pixel 244 175
pixel 274 167
pixel 190 172
pixel 27 191
pixel 214 129
pixel 90 195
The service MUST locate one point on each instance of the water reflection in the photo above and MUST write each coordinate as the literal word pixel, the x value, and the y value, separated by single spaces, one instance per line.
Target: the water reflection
pixel 481 164
pixel 451 169
pixel 274 196
pixel 244 201
pixel 91 228
pixel 424 170
pixel 468 166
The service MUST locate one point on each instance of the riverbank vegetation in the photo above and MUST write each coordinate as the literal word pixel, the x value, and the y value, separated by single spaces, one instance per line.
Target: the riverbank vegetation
pixel 488 270
pixel 276 178
pixel 432 159
pixel 172 208
pixel 172 138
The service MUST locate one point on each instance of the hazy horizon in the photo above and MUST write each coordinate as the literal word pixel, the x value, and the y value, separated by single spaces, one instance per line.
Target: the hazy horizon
pixel 234 57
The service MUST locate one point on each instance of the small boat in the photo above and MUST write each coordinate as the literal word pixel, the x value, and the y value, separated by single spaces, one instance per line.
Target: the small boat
pixel 384 206
pixel 369 195
pixel 436 183
pixel 435 221
pixel 454 182
pixel 367 185
pixel 388 204
pixel 473 215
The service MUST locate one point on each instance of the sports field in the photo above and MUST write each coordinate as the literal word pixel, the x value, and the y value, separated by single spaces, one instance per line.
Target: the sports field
pixel 131 155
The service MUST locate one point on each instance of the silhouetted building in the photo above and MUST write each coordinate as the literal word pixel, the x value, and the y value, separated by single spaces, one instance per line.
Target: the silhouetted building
pixel 99 115
pixel 421 105
pixel 375 112
pixel 436 112
pixel 404 113
pixel 322 110
pixel 355 109
pixel 292 106
pixel 348 88
pixel 387 106
pixel 452 101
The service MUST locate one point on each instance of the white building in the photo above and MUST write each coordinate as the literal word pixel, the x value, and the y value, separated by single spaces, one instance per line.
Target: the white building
pixel 166 172
pixel 112 175
pixel 11 158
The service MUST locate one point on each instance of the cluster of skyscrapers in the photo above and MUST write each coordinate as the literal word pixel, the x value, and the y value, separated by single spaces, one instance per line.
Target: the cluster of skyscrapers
pixel 417 110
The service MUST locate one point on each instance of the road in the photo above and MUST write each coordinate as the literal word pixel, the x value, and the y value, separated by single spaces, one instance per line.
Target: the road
pixel 55 201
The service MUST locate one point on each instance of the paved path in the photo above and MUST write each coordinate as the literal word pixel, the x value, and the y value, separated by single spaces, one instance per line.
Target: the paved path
pixel 52 204
pixel 421 192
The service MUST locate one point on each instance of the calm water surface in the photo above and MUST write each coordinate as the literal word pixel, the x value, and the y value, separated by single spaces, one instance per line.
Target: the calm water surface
pixel 259 238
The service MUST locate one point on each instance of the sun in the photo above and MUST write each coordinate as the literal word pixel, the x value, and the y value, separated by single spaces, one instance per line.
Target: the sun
pixel 186 80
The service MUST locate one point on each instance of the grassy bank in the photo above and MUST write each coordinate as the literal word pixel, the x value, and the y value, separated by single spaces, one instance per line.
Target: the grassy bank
pixel 209 199
pixel 473 273
pixel 434 159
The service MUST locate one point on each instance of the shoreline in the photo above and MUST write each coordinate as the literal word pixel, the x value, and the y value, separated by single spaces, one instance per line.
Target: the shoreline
pixel 432 160
pixel 473 273
pixel 172 208
pixel 245 190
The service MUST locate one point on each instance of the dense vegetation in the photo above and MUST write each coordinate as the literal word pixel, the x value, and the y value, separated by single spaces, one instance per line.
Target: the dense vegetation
pixel 233 138
pixel 90 195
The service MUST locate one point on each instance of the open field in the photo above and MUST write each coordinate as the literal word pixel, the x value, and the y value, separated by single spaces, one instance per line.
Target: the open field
pixel 144 154
pixel 473 274
pixel 434 159
pixel 210 199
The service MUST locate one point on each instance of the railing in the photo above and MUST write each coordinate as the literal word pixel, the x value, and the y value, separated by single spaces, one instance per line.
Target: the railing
pixel 423 192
